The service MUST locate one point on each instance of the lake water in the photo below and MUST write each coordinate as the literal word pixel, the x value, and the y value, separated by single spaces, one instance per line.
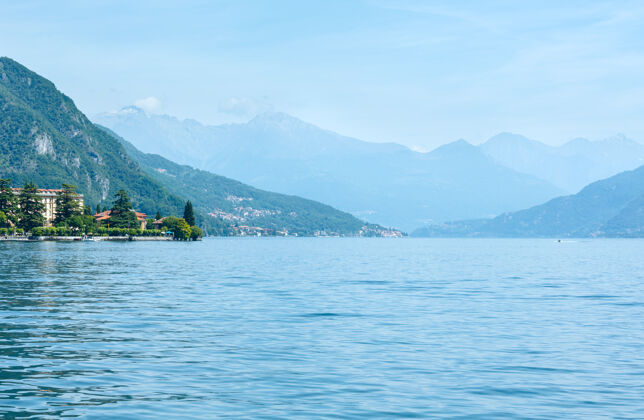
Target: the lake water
pixel 323 328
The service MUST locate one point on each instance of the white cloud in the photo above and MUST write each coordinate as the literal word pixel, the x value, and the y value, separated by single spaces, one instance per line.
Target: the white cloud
pixel 150 104
pixel 419 149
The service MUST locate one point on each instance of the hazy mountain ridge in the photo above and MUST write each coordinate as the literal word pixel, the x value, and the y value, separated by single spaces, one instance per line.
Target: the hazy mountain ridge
pixel 610 207
pixel 231 202
pixel 570 166
pixel 384 183
pixel 629 222
pixel 45 138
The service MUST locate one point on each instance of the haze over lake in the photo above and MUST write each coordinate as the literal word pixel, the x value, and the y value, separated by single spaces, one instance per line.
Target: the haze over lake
pixel 322 327
pixel 321 210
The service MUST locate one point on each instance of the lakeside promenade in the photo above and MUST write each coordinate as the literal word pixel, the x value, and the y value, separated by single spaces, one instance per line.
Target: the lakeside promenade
pixel 81 239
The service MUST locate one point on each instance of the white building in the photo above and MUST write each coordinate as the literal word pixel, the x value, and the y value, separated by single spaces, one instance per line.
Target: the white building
pixel 48 198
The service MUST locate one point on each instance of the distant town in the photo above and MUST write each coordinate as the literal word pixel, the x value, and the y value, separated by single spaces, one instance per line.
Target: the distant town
pixel 32 213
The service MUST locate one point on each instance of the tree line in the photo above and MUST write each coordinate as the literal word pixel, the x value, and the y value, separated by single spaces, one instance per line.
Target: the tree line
pixel 25 211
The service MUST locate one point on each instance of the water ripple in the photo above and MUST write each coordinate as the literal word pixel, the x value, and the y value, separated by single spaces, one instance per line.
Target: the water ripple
pixel 340 328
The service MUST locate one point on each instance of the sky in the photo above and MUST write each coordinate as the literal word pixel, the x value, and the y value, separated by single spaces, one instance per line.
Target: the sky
pixel 420 73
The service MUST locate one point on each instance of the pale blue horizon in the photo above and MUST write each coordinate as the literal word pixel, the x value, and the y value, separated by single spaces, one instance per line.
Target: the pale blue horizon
pixel 416 73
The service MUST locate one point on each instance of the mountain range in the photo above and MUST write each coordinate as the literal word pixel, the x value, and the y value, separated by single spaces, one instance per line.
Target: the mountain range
pixel 45 138
pixel 225 199
pixel 384 183
pixel 613 207
pixel 570 166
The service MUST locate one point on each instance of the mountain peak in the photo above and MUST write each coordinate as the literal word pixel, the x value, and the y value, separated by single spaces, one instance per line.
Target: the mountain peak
pixel 125 112
pixel 15 74
pixel 6 61
pixel 577 142
pixel 280 119
pixel 285 123
pixel 621 138
pixel 617 139
pixel 506 138
pixel 131 109
pixel 456 147
pixel 273 116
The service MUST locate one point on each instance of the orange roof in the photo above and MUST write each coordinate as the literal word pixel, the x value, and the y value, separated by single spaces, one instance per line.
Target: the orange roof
pixel 107 214
pixel 51 190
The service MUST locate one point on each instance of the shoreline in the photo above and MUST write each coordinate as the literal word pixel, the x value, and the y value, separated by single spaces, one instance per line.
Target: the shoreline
pixel 81 239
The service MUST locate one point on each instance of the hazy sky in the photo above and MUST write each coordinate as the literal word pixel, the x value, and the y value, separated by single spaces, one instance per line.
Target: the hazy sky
pixel 419 73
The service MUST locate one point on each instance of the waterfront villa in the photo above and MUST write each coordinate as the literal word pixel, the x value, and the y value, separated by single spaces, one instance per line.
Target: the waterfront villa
pixel 48 198
pixel 158 224
pixel 104 217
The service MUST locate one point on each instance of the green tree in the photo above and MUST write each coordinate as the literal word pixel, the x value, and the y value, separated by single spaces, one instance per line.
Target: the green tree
pixel 182 230
pixel 8 202
pixel 122 214
pixel 179 227
pixel 195 233
pixel 67 204
pixel 87 211
pixel 31 207
pixel 189 214
pixel 98 208
pixel 89 224
pixel 169 222
pixel 158 216
pixel 4 222
pixel 76 222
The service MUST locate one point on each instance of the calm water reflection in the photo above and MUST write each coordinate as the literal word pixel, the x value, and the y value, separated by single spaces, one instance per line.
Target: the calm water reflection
pixel 322 328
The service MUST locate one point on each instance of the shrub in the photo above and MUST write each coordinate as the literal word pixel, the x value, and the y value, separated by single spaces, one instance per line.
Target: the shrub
pixel 117 231
pixel 151 232
pixel 195 233
pixel 11 231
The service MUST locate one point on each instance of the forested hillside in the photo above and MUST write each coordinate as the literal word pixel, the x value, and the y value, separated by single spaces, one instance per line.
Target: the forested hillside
pixel 610 207
pixel 232 202
pixel 45 138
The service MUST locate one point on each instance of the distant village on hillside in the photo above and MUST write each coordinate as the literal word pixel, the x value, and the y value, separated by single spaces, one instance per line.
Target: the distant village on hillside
pixel 62 212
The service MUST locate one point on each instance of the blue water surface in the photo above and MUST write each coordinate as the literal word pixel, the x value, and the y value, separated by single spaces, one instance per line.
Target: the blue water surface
pixel 323 328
